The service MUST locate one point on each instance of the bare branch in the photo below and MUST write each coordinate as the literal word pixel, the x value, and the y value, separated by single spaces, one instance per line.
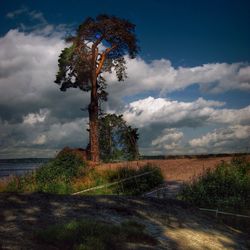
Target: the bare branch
pixel 103 57
pixel 97 42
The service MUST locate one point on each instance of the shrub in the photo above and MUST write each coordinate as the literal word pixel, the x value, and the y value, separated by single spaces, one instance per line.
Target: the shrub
pixel 133 186
pixel 26 183
pixel 228 186
pixel 137 185
pixel 54 177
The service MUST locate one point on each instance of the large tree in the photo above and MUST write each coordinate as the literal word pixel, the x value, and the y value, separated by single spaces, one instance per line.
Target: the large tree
pixel 98 46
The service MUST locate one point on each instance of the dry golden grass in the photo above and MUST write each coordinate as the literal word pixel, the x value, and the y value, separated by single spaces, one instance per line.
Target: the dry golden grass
pixel 181 170
pixel 173 169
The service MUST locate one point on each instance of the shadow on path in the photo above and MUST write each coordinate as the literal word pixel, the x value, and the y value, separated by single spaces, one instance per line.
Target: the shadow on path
pixel 171 222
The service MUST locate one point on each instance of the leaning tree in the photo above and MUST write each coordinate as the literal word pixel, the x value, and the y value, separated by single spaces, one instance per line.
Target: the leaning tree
pixel 98 46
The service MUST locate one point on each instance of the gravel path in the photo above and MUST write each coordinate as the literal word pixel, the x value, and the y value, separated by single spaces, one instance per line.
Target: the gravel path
pixel 172 223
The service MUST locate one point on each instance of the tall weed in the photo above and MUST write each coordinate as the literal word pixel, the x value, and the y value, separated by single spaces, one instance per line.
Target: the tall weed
pixel 228 186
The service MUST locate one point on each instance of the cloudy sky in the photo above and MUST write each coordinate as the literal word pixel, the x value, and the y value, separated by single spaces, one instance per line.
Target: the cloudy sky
pixel 187 91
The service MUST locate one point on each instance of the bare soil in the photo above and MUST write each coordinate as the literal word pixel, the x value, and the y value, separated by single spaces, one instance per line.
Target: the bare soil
pixel 173 224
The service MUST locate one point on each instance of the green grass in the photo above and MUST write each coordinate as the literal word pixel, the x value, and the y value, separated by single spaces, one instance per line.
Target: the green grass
pixel 94 235
pixel 227 187
pixel 134 186
pixel 54 177
pixel 137 185
pixel 67 174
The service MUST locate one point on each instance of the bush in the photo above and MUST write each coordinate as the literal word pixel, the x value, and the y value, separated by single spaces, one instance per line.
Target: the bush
pixel 133 186
pixel 228 186
pixel 54 177
pixel 137 185
pixel 26 183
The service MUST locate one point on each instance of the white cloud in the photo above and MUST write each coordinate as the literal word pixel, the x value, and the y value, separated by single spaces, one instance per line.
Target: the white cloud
pixel 17 12
pixel 69 132
pixel 40 140
pixel 169 140
pixel 33 118
pixel 37 23
pixel 151 110
pixel 42 137
pixel 229 139
pixel 37 15
pixel 28 64
pixel 160 75
pixel 231 116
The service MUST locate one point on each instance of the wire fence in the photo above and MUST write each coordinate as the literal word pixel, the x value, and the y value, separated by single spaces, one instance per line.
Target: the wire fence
pixel 222 212
pixel 160 193
pixel 113 183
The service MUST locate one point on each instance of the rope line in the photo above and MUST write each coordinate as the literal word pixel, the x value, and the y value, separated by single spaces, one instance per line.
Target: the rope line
pixel 221 212
pixel 113 183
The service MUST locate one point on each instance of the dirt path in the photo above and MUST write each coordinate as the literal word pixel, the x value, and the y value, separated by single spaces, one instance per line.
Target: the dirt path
pixel 172 223
pixel 169 189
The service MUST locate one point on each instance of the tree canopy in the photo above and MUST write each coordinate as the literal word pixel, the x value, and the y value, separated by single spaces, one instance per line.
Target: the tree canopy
pixel 118 141
pixel 75 62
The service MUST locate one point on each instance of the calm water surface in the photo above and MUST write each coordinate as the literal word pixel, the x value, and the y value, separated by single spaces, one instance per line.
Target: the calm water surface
pixel 19 166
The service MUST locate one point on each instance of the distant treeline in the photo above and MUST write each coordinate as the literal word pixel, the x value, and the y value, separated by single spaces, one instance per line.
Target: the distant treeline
pixel 142 157
pixel 25 160
pixel 201 156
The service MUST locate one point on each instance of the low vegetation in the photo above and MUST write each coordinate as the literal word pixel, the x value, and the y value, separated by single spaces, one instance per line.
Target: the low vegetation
pixel 91 234
pixel 227 187
pixel 68 173
pixel 128 181
pixel 54 177
pixel 149 177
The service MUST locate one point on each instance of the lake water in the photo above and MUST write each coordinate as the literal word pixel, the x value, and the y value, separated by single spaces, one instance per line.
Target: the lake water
pixel 19 166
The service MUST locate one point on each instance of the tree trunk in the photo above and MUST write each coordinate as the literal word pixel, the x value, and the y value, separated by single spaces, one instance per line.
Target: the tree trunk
pixel 93 127
pixel 93 117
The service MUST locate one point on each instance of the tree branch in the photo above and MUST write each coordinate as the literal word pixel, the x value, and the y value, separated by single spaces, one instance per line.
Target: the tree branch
pixel 103 57
pixel 95 44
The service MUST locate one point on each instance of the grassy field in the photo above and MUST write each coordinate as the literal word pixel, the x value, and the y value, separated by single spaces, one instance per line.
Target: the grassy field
pixel 179 170
pixel 173 169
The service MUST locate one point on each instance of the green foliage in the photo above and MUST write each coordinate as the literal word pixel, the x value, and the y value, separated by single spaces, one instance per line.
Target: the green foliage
pixel 137 185
pixel 64 167
pixel 61 176
pixel 118 141
pixel 76 62
pixel 54 177
pixel 133 186
pixel 26 183
pixel 228 186
pixel 92 234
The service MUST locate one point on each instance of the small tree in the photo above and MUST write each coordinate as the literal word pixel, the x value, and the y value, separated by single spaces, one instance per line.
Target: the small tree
pixel 81 65
pixel 118 141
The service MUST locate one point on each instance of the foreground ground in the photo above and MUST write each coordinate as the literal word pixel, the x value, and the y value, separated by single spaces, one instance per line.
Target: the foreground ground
pixel 172 223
